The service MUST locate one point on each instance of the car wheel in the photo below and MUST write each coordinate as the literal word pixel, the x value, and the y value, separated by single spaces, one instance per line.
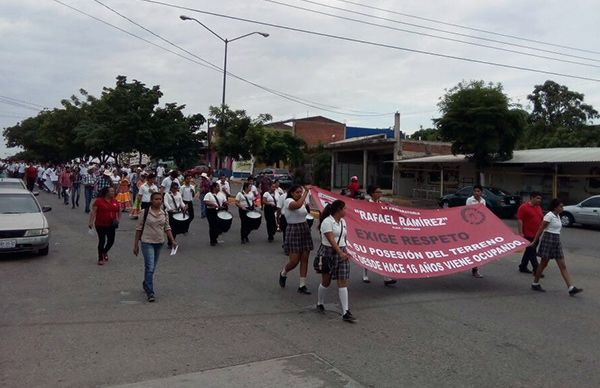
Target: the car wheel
pixel 44 252
pixel 445 204
pixel 566 219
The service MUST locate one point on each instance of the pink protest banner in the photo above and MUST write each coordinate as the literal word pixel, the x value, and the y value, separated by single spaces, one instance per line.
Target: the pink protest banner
pixel 414 243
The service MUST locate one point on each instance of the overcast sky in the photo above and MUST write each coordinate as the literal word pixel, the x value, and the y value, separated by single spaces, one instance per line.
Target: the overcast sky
pixel 48 52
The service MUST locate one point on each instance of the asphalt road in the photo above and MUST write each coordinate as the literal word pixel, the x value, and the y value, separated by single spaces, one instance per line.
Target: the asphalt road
pixel 66 322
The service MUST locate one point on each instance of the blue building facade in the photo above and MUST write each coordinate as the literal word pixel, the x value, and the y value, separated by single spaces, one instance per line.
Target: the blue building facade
pixel 352 132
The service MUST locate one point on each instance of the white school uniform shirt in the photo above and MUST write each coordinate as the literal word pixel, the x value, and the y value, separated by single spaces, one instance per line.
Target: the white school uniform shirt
pixel 296 216
pixel 167 182
pixel 160 171
pixel 187 192
pixel 245 199
pixel 554 224
pixel 281 201
pixel 224 187
pixel 472 201
pixel 330 225
pixel 218 199
pixel 173 202
pixel 146 191
pixel 269 199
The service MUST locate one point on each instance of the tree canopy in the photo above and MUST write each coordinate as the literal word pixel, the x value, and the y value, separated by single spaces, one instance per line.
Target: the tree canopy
pixel 559 118
pixel 126 118
pixel 478 120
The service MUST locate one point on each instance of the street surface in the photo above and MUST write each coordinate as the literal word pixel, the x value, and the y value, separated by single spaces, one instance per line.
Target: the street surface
pixel 221 319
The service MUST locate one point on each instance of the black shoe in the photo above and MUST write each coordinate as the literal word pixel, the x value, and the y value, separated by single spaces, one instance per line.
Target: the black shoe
pixel 320 308
pixel 389 282
pixel 348 317
pixel 213 244
pixel 538 287
pixel 270 239
pixel 247 239
pixel 151 298
pixel 282 280
pixel 303 290
pixel 524 270
pixel 243 241
pixel 575 290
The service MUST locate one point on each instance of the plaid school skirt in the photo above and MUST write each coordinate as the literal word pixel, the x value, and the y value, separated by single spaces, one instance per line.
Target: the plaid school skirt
pixel 297 238
pixel 550 246
pixel 338 268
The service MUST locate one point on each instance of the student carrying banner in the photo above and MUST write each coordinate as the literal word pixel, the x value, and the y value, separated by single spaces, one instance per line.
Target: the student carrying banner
pixel 332 261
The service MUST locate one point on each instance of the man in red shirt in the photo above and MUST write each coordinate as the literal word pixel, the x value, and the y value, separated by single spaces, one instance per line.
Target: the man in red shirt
pixel 530 218
pixel 30 176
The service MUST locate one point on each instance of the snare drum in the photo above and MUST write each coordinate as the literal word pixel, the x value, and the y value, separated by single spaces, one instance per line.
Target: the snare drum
pixel 179 223
pixel 310 220
pixel 254 219
pixel 181 217
pixel 224 220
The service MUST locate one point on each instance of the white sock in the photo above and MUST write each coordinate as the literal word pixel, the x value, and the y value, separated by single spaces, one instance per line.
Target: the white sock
pixel 343 291
pixel 302 282
pixel 570 288
pixel 535 284
pixel 321 294
pixel 365 273
pixel 283 272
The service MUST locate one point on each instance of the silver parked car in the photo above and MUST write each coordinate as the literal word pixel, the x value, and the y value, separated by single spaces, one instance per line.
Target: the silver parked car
pixel 12 183
pixel 23 226
pixel 586 212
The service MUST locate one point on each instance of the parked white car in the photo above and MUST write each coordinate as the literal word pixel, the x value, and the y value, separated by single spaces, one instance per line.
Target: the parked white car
pixel 586 212
pixel 12 183
pixel 23 225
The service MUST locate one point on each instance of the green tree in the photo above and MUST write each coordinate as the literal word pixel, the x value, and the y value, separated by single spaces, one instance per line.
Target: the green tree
pixel 282 146
pixel 238 136
pixel 321 166
pixel 427 134
pixel 559 118
pixel 478 120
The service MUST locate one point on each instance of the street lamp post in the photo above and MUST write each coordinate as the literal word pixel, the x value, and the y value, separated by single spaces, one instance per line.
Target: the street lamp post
pixel 226 42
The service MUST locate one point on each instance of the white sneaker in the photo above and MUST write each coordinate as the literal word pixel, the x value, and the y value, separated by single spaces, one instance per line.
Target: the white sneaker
pixel 366 279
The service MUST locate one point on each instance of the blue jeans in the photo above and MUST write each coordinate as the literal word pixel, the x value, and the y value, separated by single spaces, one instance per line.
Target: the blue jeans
pixel 89 193
pixel 75 194
pixel 151 252
pixel 202 205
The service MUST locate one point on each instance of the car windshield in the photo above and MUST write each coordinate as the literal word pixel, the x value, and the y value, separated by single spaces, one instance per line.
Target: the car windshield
pixel 497 191
pixel 18 203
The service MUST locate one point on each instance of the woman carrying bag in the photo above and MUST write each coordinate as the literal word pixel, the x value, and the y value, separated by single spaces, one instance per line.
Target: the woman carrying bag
pixel 332 261
pixel 151 231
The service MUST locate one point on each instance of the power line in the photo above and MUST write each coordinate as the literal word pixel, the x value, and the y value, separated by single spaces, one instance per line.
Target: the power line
pixel 18 105
pixel 22 101
pixel 212 66
pixel 423 33
pixel 439 30
pixel 468 28
pixel 371 43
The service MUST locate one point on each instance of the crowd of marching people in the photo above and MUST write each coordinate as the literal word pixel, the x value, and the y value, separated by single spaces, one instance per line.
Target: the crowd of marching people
pixel 162 202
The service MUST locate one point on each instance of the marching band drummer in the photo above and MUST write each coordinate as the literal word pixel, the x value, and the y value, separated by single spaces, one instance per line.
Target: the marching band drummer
pixel 214 200
pixel 375 194
pixel 188 194
pixel 244 200
pixel 270 209
pixel 173 205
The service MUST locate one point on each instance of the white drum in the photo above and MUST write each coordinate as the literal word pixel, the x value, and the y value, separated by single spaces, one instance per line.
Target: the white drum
pixel 180 217
pixel 224 220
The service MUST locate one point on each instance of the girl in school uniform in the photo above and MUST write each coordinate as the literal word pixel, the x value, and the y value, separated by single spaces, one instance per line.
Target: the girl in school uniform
pixel 298 241
pixel 244 200
pixel 550 248
pixel 214 200
pixel 270 208
pixel 336 261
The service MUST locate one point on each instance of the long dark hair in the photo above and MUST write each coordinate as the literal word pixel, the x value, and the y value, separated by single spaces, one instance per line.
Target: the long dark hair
pixel 213 186
pixel 245 186
pixel 292 189
pixel 103 191
pixel 331 209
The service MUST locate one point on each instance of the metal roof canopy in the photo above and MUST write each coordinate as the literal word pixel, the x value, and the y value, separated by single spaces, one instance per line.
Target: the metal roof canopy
pixel 535 156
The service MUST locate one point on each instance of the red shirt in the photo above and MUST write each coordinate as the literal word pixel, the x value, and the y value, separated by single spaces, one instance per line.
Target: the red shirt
pixel 354 188
pixel 106 212
pixel 531 217
pixel 31 172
